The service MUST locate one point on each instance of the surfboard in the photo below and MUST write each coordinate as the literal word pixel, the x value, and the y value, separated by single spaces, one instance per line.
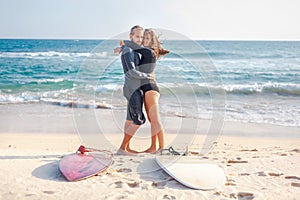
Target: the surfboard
pixel 81 165
pixel 192 172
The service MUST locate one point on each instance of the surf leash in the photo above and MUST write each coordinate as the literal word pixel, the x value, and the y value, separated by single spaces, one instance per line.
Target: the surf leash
pixel 170 150
pixel 83 150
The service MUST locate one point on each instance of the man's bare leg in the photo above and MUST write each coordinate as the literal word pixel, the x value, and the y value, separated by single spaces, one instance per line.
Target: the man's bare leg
pixel 129 131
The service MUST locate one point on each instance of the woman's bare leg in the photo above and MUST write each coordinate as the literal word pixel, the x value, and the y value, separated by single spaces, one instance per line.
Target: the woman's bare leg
pixel 152 109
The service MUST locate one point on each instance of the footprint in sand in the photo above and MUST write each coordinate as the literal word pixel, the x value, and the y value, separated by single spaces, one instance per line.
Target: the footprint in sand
pixel 245 195
pixel 29 195
pixel 159 184
pixel 169 197
pixel 237 161
pixel 244 174
pixel 231 195
pixel 261 174
pixel 194 153
pixel 125 170
pixel 48 192
pixel 118 184
pixel 135 161
pixel 249 150
pixel 296 150
pixel 120 161
pixel 275 174
pixel 292 177
pixel 133 184
pixel 283 154
pixel 230 183
pixel 295 184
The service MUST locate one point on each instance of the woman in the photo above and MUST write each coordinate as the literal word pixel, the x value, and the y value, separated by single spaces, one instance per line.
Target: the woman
pixel 151 52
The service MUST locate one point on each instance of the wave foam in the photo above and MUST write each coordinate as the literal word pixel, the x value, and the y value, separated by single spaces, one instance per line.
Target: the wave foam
pixel 51 54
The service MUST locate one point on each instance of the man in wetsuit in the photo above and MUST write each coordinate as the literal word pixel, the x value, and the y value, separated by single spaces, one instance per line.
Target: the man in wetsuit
pixel 131 90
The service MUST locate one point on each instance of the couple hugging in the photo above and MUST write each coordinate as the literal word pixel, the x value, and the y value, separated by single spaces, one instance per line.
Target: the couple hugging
pixel 139 56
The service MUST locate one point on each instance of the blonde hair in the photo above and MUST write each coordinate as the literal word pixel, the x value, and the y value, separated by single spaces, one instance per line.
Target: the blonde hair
pixel 156 44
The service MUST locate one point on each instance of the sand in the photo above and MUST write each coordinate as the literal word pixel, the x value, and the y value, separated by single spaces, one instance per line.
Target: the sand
pixel 264 165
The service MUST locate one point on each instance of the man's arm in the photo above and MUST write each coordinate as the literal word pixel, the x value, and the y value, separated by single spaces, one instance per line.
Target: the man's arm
pixel 129 65
pixel 142 50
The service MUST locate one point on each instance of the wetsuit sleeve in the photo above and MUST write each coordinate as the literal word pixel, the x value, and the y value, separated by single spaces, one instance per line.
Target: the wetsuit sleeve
pixel 129 65
pixel 146 52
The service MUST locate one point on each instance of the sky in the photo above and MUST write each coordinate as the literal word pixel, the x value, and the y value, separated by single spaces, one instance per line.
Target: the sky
pixel 195 19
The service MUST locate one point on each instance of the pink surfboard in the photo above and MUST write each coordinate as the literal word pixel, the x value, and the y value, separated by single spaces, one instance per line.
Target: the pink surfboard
pixel 82 165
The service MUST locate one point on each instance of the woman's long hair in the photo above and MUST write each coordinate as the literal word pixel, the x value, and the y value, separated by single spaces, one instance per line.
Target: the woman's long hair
pixel 156 45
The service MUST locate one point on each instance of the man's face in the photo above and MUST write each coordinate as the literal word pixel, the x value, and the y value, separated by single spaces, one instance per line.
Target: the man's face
pixel 137 37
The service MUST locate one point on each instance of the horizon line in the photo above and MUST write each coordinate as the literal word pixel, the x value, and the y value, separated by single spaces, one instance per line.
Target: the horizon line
pixel 98 38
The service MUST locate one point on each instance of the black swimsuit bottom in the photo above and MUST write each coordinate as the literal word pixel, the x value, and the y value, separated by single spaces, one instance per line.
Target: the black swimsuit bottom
pixel 149 86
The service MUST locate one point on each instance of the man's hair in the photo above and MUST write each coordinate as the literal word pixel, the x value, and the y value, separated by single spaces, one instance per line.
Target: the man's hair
pixel 134 28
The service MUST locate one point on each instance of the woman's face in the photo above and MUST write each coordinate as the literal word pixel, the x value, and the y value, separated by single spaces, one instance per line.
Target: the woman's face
pixel 147 40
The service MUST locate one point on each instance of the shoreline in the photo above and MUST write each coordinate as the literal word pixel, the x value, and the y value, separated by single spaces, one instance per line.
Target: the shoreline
pixel 52 119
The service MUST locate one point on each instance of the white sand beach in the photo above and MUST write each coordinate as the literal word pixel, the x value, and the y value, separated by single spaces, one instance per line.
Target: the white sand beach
pixel 262 166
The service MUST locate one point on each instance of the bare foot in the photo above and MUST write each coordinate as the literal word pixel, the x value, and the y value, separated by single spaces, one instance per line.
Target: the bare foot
pixel 131 151
pixel 122 152
pixel 150 150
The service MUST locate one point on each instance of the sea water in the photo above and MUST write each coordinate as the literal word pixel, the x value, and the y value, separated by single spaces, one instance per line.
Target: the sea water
pixel 258 80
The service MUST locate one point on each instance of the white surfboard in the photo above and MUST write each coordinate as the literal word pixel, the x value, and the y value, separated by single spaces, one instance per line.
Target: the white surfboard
pixel 192 172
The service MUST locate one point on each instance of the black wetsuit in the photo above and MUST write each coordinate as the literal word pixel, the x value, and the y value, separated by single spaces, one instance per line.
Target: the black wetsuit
pixel 147 64
pixel 131 89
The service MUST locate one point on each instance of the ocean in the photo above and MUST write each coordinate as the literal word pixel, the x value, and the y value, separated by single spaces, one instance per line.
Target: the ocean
pixel 257 81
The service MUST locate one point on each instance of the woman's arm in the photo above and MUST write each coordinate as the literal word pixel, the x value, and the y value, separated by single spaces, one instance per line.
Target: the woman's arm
pixel 119 49
pixel 142 50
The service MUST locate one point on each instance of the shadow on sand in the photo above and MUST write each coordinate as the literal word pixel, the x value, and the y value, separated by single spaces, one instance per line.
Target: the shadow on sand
pixel 49 171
